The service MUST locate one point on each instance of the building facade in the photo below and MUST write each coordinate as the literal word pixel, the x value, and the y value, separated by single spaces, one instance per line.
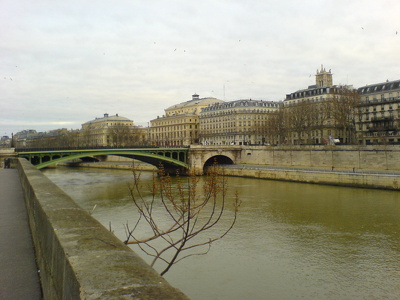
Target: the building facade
pixel 378 118
pixel 240 122
pixel 110 131
pixel 322 113
pixel 21 138
pixel 180 124
pixel 5 142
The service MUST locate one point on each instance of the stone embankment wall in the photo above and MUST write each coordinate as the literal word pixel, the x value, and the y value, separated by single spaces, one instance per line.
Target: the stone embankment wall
pixel 361 180
pixel 78 258
pixel 380 157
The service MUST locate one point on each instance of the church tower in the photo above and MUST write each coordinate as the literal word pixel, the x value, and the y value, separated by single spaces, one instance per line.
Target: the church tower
pixel 323 78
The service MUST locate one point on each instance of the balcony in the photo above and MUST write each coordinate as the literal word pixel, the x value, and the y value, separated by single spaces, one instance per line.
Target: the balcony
pixel 382 119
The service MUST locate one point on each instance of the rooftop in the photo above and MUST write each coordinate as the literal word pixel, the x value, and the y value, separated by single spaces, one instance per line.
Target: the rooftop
pixel 379 87
pixel 108 118
pixel 195 101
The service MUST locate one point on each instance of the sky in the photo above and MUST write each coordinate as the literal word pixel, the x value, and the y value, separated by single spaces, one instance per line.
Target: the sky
pixel 63 63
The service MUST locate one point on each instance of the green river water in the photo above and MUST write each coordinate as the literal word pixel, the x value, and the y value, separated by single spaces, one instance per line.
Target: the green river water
pixel 291 241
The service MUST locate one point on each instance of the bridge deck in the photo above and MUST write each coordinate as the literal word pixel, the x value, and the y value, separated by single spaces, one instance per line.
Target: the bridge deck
pixel 19 277
pixel 172 157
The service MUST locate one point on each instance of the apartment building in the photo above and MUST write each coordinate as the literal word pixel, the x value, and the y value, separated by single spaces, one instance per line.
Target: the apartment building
pixel 180 124
pixel 378 115
pixel 240 122
pixel 322 113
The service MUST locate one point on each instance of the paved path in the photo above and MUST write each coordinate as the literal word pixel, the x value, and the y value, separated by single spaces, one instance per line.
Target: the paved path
pixel 19 278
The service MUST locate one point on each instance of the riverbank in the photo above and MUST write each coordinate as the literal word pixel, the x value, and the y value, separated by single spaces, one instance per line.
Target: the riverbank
pixel 374 179
pixel 314 239
pixel 345 177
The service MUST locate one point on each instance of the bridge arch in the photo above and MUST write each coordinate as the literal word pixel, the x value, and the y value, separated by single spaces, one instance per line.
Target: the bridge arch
pixel 219 159
pixel 203 156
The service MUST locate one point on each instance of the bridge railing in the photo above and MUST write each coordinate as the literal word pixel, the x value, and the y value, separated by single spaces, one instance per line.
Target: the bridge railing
pixel 26 149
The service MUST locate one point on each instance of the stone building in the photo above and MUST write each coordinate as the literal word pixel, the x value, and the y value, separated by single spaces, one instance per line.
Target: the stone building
pixel 5 142
pixel 314 93
pixel 322 113
pixel 48 139
pixel 21 138
pixel 240 122
pixel 109 131
pixel 378 119
pixel 180 124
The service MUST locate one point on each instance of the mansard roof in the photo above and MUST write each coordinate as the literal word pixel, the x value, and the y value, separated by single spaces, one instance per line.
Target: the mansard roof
pixel 241 103
pixel 379 87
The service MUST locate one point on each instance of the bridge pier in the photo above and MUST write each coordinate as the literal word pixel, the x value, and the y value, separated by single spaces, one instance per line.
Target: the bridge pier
pixel 203 156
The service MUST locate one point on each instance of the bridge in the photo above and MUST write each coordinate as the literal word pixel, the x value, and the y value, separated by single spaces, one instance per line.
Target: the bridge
pixel 195 157
pixel 170 158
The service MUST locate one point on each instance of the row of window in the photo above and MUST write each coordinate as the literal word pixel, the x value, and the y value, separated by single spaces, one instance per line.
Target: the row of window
pixel 308 93
pixel 231 112
pixel 173 128
pixel 382 107
pixel 376 88
pixel 172 135
pixel 232 124
pixel 383 97
pixel 156 122
pixel 367 117
pixel 233 118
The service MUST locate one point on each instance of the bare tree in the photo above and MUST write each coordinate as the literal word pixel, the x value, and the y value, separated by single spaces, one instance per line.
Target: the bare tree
pixel 276 127
pixel 344 105
pixel 298 120
pixel 188 218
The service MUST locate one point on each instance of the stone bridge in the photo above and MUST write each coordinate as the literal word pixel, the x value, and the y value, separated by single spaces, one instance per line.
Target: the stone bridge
pixel 202 156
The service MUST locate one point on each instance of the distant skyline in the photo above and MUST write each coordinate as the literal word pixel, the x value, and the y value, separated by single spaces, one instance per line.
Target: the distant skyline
pixel 63 63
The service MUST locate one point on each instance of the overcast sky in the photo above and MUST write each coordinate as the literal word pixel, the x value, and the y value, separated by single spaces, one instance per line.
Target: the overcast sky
pixel 63 63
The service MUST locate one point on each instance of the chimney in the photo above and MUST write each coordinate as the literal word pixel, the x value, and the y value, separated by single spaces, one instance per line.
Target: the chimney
pixel 105 115
pixel 195 97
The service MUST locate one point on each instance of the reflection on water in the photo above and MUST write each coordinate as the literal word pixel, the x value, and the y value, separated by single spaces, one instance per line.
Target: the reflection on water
pixel 291 241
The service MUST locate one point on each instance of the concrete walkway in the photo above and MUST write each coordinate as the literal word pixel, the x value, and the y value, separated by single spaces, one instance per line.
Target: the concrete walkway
pixel 19 278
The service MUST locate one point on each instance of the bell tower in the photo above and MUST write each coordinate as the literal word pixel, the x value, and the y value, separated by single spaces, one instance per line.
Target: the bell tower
pixel 323 78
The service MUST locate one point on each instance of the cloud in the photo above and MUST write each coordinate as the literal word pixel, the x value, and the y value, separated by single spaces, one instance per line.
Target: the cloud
pixel 72 61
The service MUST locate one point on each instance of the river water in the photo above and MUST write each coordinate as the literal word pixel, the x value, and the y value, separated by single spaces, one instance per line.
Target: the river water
pixel 291 241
